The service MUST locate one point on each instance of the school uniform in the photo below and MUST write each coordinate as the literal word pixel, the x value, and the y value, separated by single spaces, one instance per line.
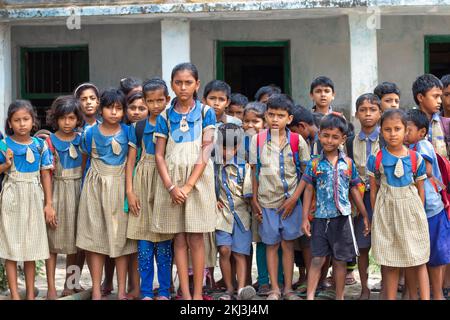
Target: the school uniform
pixel 400 235
pixel 332 228
pixel 184 133
pixel 364 145
pixel 144 184
pixel 277 181
pixel 234 190
pixel 23 232
pixel 438 223
pixel 102 222
pixel 66 194
pixel 436 135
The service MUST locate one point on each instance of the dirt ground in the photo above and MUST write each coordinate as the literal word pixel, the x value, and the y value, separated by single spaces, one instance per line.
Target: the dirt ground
pixel 352 292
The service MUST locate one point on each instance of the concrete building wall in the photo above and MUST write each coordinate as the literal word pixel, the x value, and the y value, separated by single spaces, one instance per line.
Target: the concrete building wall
pixel 318 47
pixel 115 51
pixel 401 49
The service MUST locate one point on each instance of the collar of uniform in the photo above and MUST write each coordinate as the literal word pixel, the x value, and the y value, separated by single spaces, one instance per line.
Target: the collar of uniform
pixel 103 141
pixel 62 145
pixel 194 114
pixel 149 128
pixel 435 117
pixel 341 155
pixel 373 136
pixel 288 136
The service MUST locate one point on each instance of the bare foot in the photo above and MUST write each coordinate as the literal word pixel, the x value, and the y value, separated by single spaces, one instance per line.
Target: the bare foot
pixel 52 295
pixel 197 297
pixel 133 295
pixel 15 297
pixel 96 296
pixel 365 295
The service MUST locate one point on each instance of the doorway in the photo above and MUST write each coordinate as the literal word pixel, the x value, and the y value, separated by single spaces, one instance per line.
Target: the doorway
pixel 247 66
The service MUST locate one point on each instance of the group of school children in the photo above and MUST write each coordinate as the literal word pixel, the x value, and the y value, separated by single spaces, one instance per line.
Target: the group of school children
pixel 130 177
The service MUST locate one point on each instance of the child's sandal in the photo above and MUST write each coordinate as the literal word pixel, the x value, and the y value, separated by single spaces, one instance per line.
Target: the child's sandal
pixel 274 295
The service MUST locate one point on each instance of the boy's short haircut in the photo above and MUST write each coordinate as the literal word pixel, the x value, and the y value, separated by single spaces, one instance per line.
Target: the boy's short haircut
pixel 302 114
pixel 425 83
pixel 446 80
pixel 419 118
pixel 321 81
pixel 334 121
pixel 230 134
pixel 372 98
pixel 269 90
pixel 238 99
pixel 385 88
pixel 317 117
pixel 217 85
pixel 280 101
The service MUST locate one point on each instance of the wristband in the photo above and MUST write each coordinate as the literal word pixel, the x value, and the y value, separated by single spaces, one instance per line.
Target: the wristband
pixel 171 188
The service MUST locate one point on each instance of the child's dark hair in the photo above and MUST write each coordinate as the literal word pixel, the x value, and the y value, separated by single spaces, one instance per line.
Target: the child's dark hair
pixel 16 106
pixel 419 118
pixel 217 85
pixel 188 67
pixel 302 114
pixel 128 84
pixel 134 96
pixel 155 84
pixel 445 80
pixel 425 83
pixel 321 81
pixel 112 96
pixel 334 121
pixel 370 97
pixel 230 134
pixel 385 88
pixel 269 90
pixel 238 99
pixel 85 86
pixel 62 106
pixel 394 113
pixel 258 108
pixel 317 116
pixel 280 101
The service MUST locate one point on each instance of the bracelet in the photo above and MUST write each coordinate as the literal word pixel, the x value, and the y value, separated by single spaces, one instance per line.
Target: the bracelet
pixel 171 188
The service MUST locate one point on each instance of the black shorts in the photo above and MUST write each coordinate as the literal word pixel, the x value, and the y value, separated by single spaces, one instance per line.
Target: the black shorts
pixel 335 237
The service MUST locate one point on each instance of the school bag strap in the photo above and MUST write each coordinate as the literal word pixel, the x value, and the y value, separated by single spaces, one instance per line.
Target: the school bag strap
pixel 88 139
pixel 349 146
pixel 294 139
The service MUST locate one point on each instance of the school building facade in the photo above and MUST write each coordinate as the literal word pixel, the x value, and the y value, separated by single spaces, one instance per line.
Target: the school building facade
pixel 48 47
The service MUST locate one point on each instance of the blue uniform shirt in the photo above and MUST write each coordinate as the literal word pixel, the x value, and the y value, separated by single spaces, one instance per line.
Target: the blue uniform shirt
pixel 332 185
pixel 62 147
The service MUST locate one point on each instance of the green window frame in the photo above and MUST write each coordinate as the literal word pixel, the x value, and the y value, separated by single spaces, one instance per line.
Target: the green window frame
pixel 84 71
pixel 429 40
pixel 220 67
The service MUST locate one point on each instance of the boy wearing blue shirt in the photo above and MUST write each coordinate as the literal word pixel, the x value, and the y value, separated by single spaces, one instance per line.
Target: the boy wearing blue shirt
pixel 333 176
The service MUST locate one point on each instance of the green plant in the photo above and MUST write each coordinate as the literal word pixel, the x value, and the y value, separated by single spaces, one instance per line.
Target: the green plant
pixel 3 279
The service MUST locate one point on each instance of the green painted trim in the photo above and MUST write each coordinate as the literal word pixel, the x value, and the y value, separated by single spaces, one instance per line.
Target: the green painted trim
pixel 49 95
pixel 427 41
pixel 220 67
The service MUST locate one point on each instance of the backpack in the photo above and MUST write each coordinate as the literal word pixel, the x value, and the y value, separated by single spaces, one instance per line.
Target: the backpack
pixel 294 139
pixel 349 145
pixel 444 168
pixel 361 186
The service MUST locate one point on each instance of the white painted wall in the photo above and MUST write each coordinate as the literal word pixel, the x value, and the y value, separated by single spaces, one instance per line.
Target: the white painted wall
pixel 318 47
pixel 115 51
pixel 401 49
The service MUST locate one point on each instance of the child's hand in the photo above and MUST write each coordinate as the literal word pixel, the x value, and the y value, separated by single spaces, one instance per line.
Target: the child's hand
pixel 178 197
pixel 50 216
pixel 287 207
pixel 186 189
pixel 220 205
pixel 133 203
pixel 306 227
pixel 256 209
pixel 9 156
pixel 366 227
